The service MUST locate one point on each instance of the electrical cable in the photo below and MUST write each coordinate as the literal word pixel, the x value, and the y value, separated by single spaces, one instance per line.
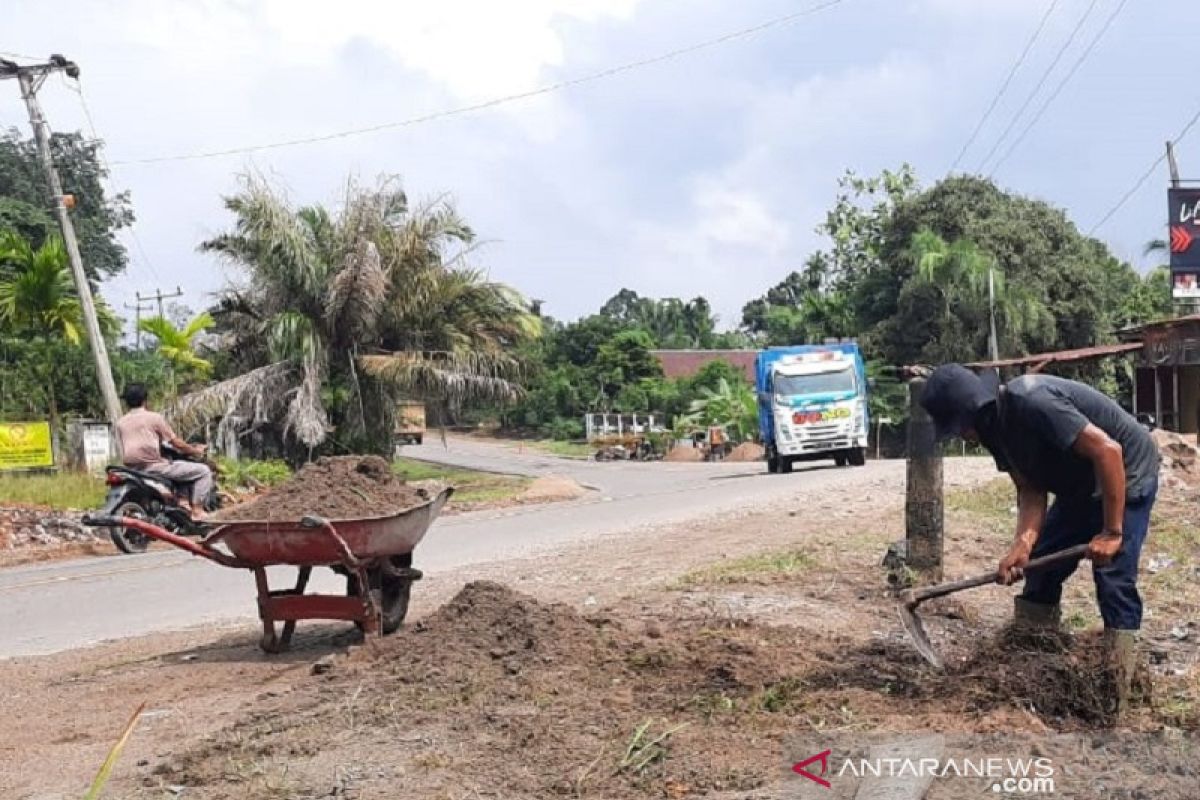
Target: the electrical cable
pixel 496 101
pixel 1004 86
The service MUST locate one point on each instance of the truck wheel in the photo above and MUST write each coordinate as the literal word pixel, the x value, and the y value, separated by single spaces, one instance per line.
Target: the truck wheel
pixel 839 460
pixel 858 457
pixel 772 462
pixel 785 465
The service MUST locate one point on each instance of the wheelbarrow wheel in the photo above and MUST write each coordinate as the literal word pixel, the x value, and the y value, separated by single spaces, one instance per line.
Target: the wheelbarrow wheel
pixel 128 540
pixel 393 581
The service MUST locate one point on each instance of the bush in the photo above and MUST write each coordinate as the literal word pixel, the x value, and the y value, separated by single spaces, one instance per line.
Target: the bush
pixel 250 474
pixel 564 430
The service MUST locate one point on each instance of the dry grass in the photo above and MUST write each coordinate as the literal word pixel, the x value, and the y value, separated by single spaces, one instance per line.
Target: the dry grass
pixel 471 486
pixel 761 568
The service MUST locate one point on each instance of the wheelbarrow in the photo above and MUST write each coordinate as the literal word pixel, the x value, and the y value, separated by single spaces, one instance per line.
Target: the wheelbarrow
pixel 373 553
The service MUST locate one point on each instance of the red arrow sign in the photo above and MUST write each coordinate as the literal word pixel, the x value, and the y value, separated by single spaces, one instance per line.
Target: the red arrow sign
pixel 1181 239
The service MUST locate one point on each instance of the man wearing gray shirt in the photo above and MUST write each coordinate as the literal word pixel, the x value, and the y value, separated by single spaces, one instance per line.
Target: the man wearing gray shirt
pixel 1061 437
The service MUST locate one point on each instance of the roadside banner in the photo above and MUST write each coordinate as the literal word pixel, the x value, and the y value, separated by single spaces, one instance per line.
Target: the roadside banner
pixel 25 445
pixel 1183 231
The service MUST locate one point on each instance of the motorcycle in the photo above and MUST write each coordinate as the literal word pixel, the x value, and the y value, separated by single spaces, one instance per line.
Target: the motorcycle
pixel 155 498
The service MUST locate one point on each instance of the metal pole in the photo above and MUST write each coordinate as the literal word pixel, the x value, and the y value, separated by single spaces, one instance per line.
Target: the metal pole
pixel 1158 415
pixel 923 510
pixel 108 388
pixel 992 341
pixel 1175 415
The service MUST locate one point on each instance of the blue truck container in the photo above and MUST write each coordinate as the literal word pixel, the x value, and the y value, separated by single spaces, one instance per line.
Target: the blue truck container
pixel 812 404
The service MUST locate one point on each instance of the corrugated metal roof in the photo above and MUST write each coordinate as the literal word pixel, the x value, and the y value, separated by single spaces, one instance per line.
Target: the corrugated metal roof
pixel 1080 354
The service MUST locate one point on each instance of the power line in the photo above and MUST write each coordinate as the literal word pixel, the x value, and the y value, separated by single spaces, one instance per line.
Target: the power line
pixel 1038 88
pixel 87 114
pixel 1062 84
pixel 510 98
pixel 1004 86
pixel 1145 176
pixel 7 54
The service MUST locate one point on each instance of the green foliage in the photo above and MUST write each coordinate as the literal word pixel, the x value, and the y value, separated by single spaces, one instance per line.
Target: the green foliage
pixel 342 315
pixel 25 202
pixel 732 405
pixel 670 322
pixel 177 346
pixel 248 473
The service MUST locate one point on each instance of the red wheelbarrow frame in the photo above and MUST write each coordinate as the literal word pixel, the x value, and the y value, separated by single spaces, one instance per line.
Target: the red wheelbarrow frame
pixel 312 541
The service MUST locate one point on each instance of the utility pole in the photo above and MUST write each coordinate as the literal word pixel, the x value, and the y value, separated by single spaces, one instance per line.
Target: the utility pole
pixel 158 297
pixel 1173 165
pixel 137 309
pixel 31 77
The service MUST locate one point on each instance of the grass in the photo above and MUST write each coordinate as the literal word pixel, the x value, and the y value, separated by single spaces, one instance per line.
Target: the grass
pixel 471 486
pixel 60 490
pixel 563 449
pixel 761 568
pixel 994 500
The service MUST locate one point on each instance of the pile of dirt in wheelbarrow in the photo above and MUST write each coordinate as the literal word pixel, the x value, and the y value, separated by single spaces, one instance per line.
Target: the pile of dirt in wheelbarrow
pixel 342 487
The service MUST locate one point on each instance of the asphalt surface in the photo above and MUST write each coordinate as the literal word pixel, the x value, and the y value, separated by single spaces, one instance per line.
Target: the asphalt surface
pixel 67 604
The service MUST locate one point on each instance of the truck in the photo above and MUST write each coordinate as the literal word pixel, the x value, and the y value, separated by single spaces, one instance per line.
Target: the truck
pixel 410 422
pixel 812 404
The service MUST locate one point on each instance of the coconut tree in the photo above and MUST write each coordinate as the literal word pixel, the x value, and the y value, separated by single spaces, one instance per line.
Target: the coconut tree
pixel 38 302
pixel 340 314
pixel 177 346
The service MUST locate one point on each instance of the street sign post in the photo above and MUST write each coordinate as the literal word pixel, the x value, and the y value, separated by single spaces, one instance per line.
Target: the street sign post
pixel 1184 240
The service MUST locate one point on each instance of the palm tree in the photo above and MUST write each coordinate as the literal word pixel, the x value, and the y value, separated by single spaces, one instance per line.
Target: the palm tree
pixel 38 302
pixel 341 315
pixel 177 346
pixel 973 284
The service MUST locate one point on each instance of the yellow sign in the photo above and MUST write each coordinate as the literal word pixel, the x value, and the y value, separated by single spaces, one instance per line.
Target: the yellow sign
pixel 25 445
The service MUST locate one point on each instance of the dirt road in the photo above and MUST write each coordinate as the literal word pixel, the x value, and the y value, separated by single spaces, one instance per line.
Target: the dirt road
pixel 50 607
pixel 66 709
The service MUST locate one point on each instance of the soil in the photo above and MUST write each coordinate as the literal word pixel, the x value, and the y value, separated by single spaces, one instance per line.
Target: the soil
pixel 684 454
pixel 587 675
pixel 551 488
pixel 747 451
pixel 342 487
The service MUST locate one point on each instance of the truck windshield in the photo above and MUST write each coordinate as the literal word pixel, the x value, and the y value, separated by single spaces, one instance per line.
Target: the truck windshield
pixel 820 383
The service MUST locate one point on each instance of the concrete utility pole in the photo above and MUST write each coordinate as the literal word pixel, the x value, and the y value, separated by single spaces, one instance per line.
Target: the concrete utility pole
pixel 137 309
pixel 158 297
pixel 923 509
pixel 31 77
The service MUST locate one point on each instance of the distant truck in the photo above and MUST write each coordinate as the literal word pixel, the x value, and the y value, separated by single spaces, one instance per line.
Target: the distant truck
pixel 410 423
pixel 812 404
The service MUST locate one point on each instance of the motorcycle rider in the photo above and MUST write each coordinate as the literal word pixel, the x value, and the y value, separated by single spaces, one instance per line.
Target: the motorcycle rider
pixel 143 432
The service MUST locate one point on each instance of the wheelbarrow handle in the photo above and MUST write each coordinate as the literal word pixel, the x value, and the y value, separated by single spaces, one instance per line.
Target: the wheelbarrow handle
pixel 943 589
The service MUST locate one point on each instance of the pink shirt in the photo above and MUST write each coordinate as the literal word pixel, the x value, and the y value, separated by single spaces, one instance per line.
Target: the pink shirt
pixel 142 432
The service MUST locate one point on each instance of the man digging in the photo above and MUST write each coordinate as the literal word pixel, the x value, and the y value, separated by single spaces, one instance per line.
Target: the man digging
pixel 1060 437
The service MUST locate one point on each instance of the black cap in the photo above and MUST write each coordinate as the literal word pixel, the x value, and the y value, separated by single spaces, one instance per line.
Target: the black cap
pixel 953 394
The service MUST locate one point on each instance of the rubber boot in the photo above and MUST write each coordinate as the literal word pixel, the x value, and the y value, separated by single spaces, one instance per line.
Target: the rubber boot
pixel 1036 617
pixel 1037 626
pixel 1120 659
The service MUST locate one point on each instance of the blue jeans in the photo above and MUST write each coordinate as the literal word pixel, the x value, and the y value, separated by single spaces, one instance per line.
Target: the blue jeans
pixel 1072 521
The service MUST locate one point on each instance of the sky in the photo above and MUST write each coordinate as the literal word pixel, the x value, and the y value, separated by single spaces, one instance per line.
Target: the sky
pixel 701 174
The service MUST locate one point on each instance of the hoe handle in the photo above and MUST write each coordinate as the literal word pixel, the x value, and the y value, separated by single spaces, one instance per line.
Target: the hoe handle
pixel 943 589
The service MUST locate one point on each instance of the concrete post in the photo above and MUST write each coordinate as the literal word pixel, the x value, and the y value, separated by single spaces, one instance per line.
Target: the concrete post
pixel 923 510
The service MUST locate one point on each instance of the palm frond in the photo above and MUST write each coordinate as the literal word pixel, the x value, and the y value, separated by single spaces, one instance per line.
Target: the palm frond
pixel 357 294
pixel 255 397
pixel 451 378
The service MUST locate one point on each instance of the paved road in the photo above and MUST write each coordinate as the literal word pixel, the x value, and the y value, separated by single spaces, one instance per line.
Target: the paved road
pixel 59 606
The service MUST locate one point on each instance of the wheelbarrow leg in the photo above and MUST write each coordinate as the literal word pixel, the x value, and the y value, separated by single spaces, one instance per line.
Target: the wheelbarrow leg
pixel 269 642
pixel 289 627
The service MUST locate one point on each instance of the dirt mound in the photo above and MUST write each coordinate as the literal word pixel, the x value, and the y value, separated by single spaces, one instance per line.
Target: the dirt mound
pixel 341 487
pixel 684 454
pixel 552 487
pixel 747 451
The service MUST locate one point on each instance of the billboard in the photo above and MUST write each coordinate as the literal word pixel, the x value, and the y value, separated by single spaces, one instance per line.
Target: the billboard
pixel 25 445
pixel 1184 241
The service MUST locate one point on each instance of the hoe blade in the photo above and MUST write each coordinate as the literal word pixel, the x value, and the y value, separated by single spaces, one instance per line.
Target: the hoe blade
pixel 918 637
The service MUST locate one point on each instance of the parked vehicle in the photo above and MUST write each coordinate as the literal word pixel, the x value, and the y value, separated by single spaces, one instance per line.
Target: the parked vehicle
pixel 410 423
pixel 812 404
pixel 154 498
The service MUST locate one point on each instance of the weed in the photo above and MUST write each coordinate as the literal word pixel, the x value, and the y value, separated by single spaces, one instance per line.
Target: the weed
pixel 643 751
pixel 252 474
pixel 110 762
pixel 779 696
pixel 471 486
pixel 993 501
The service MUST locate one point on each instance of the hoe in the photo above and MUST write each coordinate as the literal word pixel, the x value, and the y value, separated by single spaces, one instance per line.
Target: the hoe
pixel 912 598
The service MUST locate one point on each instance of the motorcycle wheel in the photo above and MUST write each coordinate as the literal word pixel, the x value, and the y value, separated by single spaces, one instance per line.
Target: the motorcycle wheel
pixel 128 540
